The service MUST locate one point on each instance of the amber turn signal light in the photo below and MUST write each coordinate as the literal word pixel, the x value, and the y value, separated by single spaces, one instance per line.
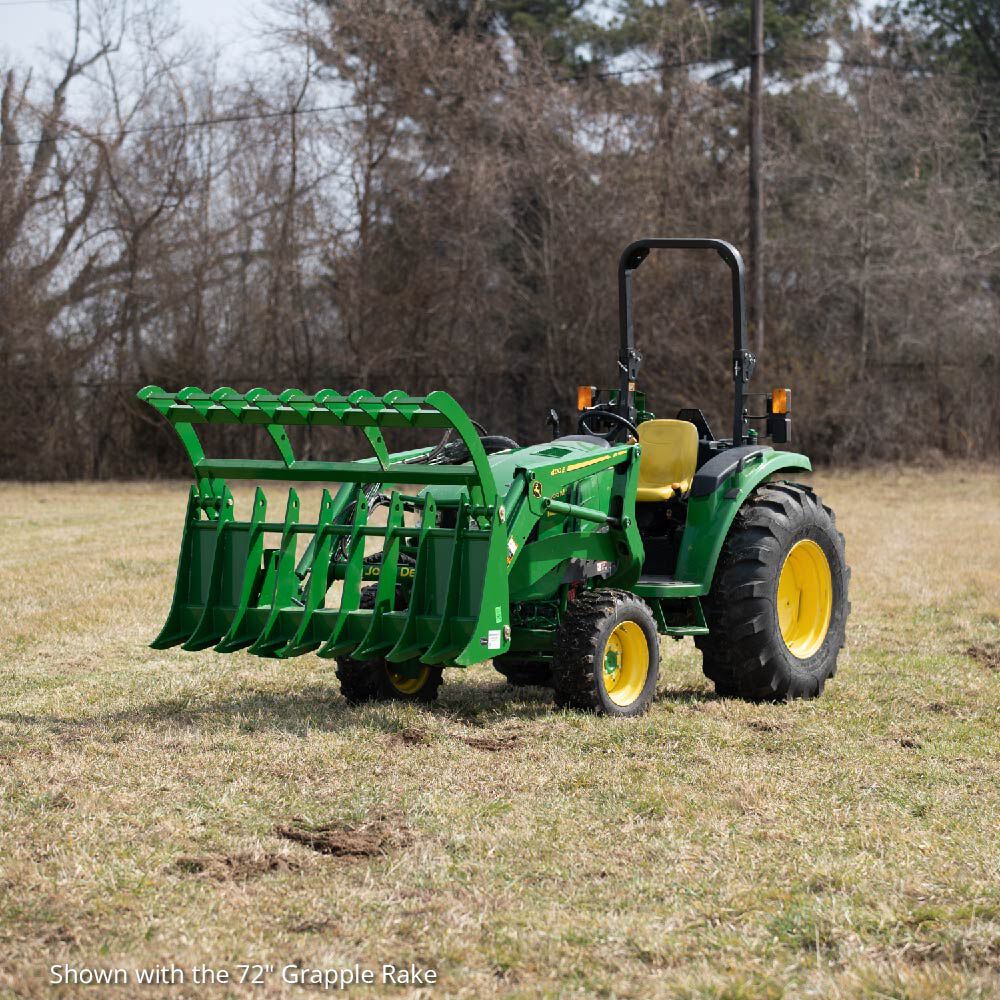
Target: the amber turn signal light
pixel 584 397
pixel 781 400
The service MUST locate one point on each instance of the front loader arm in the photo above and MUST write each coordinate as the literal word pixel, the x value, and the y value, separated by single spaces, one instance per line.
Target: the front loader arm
pixel 538 568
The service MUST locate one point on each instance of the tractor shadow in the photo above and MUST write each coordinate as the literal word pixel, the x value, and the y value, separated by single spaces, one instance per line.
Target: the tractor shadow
pixel 687 695
pixel 300 711
pixel 478 705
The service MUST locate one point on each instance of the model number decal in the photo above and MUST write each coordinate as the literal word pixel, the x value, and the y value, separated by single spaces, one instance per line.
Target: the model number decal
pixel 582 465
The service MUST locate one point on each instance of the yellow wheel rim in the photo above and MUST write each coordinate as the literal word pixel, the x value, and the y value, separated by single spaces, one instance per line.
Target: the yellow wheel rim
pixel 408 685
pixel 626 663
pixel 805 598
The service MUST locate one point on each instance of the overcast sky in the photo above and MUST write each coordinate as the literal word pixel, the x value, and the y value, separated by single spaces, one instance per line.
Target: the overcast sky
pixel 27 25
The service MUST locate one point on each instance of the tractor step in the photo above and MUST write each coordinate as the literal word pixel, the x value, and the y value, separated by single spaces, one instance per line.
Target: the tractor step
pixel 666 587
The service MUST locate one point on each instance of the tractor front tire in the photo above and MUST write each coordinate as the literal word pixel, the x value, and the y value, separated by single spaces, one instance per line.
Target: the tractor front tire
pixel 607 654
pixel 778 606
pixel 378 679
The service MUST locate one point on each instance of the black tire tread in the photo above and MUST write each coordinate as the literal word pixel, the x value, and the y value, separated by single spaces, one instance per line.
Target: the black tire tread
pixel 363 681
pixel 739 653
pixel 576 656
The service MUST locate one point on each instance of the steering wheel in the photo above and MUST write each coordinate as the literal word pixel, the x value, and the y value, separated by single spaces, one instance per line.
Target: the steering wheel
pixel 608 415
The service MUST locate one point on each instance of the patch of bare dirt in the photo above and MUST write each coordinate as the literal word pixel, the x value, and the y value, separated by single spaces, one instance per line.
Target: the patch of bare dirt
pixel 412 736
pixel 312 926
pixel 942 708
pixel 236 867
pixel 494 744
pixel 986 653
pixel 342 840
pixel 763 726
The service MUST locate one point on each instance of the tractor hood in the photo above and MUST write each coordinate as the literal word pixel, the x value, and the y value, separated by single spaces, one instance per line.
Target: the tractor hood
pixel 506 465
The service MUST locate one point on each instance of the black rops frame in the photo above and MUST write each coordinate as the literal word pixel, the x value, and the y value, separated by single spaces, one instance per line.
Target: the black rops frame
pixel 629 359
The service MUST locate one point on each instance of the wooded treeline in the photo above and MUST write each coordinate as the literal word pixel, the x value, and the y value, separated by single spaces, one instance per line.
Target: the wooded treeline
pixel 427 194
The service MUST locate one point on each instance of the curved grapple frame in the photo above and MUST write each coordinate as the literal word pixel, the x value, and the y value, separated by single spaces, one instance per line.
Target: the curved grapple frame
pixel 232 592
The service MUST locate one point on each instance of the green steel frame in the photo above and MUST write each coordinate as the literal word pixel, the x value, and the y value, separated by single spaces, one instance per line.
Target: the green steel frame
pixel 472 589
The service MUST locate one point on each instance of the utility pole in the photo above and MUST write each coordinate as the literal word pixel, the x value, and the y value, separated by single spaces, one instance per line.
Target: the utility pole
pixel 756 186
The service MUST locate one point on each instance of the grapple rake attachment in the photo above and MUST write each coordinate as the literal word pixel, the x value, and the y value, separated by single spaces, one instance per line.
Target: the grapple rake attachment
pixel 234 592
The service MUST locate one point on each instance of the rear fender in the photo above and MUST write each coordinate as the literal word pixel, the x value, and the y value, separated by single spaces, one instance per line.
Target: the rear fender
pixel 720 488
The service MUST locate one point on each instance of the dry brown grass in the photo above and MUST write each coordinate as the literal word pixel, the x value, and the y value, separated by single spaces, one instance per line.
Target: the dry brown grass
pixel 847 847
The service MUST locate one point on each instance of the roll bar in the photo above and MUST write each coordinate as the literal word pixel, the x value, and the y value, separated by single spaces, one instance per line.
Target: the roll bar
pixel 629 359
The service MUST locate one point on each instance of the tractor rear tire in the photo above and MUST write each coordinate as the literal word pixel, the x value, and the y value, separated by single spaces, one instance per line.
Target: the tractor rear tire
pixel 778 606
pixel 524 673
pixel 379 680
pixel 607 654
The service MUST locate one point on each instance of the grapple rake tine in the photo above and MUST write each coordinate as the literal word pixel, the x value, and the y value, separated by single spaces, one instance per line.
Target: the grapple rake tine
pixel 253 569
pixel 212 626
pixel 263 400
pixel 318 581
pixel 158 399
pixel 333 402
pixel 492 625
pixel 297 400
pixel 409 645
pixel 385 595
pixel 230 400
pixel 350 598
pixel 371 405
pixel 285 582
pixel 195 570
pixel 366 401
pixel 341 501
pixel 442 645
pixel 199 400
pixel 402 403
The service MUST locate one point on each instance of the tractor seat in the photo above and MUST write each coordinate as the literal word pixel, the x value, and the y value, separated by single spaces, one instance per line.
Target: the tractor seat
pixel 669 459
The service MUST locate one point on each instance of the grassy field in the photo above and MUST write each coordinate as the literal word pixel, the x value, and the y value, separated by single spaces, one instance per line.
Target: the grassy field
pixel 848 847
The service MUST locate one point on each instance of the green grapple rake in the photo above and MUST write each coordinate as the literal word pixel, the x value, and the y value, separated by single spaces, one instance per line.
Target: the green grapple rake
pixel 232 593
pixel 562 562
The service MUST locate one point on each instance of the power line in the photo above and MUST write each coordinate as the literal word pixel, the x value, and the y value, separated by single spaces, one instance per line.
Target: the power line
pixel 891 68
pixel 287 112
pixel 195 123
pixel 605 74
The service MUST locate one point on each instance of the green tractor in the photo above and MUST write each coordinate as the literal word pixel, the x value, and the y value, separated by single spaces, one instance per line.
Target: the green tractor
pixel 562 562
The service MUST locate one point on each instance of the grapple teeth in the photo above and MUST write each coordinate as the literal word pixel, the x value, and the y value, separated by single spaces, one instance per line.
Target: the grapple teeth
pixel 232 592
pixel 263 400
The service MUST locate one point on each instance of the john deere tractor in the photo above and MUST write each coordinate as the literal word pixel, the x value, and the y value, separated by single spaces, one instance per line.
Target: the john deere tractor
pixel 562 562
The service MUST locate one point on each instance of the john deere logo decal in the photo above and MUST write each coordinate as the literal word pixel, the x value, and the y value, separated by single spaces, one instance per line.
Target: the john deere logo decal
pixel 536 488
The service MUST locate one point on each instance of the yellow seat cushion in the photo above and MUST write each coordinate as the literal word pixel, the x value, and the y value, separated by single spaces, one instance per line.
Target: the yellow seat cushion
pixel 669 459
